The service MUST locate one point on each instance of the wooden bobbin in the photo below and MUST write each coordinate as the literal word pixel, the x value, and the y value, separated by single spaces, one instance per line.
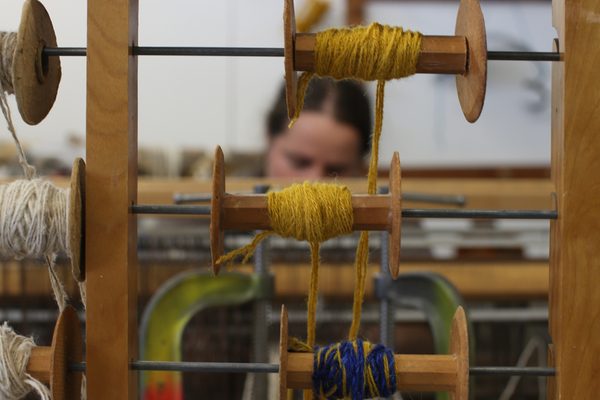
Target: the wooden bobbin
pixel 76 220
pixel 50 364
pixel 249 212
pixel 35 77
pixel 464 54
pixel 414 373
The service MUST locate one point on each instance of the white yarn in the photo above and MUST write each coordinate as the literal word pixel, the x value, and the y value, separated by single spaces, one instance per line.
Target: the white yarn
pixel 15 382
pixel 34 223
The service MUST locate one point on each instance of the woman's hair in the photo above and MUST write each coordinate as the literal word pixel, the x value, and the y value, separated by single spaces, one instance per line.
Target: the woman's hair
pixel 350 106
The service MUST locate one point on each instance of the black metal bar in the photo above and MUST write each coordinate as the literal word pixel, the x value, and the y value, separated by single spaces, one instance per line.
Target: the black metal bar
pixel 183 198
pixel 64 51
pixel 233 367
pixel 512 371
pixel 170 210
pixel 482 214
pixel 271 52
pixel 523 56
pixel 407 212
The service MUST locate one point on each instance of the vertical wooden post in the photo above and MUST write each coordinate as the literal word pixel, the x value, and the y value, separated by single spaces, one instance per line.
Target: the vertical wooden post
pixel 111 234
pixel 575 236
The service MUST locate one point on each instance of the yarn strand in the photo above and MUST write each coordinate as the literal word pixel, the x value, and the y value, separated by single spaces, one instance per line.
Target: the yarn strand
pixel 8 44
pixel 15 382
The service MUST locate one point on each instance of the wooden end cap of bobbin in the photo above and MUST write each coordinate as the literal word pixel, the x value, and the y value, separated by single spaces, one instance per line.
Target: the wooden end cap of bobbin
pixel 76 219
pixel 395 227
pixel 471 85
pixel 50 365
pixel 464 54
pixel 217 235
pixel 417 373
pixel 35 77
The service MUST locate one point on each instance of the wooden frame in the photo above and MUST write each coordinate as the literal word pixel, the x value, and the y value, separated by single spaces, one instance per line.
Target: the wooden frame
pixel 111 232
pixel 575 239
pixel 112 188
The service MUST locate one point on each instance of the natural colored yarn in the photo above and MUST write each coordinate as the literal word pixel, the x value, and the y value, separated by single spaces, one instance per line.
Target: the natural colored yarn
pixel 15 382
pixel 354 370
pixel 312 12
pixel 312 212
pixel 34 223
pixel 8 43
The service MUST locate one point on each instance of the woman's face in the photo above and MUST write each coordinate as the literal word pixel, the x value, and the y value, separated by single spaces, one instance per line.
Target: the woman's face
pixel 317 146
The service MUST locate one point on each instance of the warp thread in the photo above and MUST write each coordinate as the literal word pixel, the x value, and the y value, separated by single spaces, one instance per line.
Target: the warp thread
pixel 15 382
pixel 353 370
pixel 312 212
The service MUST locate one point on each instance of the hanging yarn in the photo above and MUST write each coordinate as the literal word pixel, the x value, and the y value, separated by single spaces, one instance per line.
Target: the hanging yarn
pixel 376 52
pixel 15 382
pixel 353 370
pixel 313 212
pixel 8 44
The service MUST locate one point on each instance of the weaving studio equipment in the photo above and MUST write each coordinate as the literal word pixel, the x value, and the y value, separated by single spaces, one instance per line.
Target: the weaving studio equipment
pixel 98 218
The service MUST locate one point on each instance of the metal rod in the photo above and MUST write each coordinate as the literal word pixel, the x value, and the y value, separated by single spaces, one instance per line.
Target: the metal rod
pixel 523 56
pixel 458 200
pixel 406 213
pixel 170 210
pixel 271 52
pixel 512 371
pixel 482 214
pixel 233 367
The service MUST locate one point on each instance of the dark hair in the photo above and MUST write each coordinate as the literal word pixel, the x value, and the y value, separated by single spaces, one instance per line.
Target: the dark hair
pixel 350 106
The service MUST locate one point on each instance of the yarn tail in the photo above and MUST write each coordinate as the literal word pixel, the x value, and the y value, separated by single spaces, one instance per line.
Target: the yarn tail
pixel 362 250
pixel 246 251
pixel 303 82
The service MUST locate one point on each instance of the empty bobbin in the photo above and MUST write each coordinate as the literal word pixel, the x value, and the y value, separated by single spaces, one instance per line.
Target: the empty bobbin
pixel 464 54
pixel 50 364
pixel 416 373
pixel 35 77
pixel 249 212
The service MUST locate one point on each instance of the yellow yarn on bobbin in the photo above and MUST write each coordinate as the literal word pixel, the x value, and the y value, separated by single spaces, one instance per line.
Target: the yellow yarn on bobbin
pixel 312 212
pixel 374 52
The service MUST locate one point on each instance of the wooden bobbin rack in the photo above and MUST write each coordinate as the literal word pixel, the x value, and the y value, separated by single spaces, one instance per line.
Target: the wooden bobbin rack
pixel 464 55
pixel 50 364
pixel 249 212
pixel 110 251
pixel 416 373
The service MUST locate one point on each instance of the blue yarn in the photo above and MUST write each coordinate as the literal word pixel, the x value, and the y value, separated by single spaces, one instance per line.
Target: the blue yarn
pixel 331 362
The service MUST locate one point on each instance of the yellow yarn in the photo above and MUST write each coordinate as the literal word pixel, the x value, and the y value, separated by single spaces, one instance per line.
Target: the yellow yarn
pixel 374 52
pixel 312 212
pixel 317 212
pixel 377 52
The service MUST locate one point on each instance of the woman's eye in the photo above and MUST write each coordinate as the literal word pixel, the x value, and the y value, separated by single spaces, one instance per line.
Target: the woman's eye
pixel 299 162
